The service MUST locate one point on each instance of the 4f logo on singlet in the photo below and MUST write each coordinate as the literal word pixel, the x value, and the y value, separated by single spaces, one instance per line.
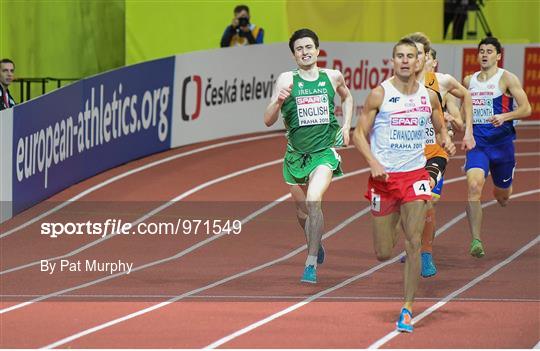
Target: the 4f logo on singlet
pixel 394 100
pixel 312 110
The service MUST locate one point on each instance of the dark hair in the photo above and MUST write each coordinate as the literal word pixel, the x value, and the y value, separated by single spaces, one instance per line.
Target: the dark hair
pixel 241 8
pixel 433 53
pixel 6 60
pixel 491 41
pixel 303 33
pixel 419 37
pixel 405 41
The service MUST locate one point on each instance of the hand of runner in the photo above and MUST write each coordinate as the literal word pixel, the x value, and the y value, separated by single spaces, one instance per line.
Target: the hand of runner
pixel 496 120
pixel 284 93
pixel 378 172
pixel 449 146
pixel 346 136
pixel 468 142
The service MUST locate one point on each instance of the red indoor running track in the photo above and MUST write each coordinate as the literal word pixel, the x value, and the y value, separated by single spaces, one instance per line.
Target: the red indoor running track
pixel 243 291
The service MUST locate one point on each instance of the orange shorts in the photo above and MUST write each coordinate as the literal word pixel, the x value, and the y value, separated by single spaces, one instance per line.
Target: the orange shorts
pixel 434 150
pixel 400 187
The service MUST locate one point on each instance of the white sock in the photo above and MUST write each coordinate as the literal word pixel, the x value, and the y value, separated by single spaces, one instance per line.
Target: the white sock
pixel 311 261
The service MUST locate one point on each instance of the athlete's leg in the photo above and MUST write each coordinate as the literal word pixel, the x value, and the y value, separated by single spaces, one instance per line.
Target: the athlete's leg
pixel 412 217
pixel 435 167
pixel 384 235
pixel 477 167
pixel 319 181
pixel 502 195
pixel 428 234
pixel 298 193
pixel 475 185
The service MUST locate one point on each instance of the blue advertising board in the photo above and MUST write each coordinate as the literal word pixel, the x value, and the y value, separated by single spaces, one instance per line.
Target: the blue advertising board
pixel 90 126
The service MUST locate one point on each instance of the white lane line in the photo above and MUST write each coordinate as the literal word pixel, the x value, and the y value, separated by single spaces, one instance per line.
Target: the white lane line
pixel 149 214
pixel 133 171
pixel 377 344
pixel 236 298
pixel 294 307
pixel 531 169
pixel 167 259
pixel 212 285
pixel 537 346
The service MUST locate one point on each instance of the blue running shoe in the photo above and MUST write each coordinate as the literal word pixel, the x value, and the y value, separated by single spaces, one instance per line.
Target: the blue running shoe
pixel 428 267
pixel 310 275
pixel 404 322
pixel 320 255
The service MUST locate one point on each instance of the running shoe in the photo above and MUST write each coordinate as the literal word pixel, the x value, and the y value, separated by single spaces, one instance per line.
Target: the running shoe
pixel 477 249
pixel 320 255
pixel 404 323
pixel 428 266
pixel 310 275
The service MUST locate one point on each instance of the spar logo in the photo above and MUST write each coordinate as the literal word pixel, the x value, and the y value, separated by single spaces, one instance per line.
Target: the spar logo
pixel 197 81
pixel 405 121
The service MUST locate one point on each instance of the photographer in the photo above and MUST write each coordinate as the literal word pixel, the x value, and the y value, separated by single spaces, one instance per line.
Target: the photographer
pixel 241 32
pixel 7 72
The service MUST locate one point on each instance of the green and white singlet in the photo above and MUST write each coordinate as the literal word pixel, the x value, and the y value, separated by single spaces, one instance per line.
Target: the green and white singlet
pixel 312 129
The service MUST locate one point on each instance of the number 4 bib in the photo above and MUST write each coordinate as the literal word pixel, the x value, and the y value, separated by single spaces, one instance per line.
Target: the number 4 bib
pixel 422 187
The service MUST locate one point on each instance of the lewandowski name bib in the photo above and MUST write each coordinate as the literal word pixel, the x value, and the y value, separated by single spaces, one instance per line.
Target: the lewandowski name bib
pixel 407 130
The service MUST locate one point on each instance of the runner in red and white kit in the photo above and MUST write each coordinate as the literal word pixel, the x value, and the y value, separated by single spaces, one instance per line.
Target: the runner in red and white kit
pixel 394 117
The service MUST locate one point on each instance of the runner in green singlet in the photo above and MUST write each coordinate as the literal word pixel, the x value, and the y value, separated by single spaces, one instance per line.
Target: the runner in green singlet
pixel 305 98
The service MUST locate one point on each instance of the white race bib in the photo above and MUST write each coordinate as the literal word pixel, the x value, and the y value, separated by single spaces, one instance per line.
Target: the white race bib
pixel 430 133
pixel 375 202
pixel 482 110
pixel 421 187
pixel 407 132
pixel 312 110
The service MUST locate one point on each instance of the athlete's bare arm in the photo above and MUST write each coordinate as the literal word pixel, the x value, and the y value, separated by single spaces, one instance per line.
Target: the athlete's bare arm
pixel 511 84
pixel 282 91
pixel 454 88
pixel 454 114
pixel 438 123
pixel 346 102
pixel 467 81
pixel 363 128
